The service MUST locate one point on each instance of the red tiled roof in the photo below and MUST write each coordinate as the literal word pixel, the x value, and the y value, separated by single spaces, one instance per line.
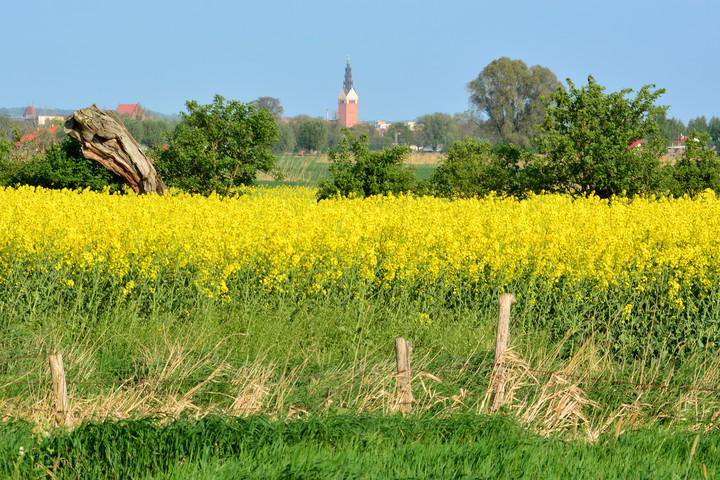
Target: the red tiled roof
pixel 635 144
pixel 127 108
pixel 25 138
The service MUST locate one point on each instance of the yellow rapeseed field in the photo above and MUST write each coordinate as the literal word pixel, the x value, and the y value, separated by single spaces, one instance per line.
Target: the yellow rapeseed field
pixel 284 237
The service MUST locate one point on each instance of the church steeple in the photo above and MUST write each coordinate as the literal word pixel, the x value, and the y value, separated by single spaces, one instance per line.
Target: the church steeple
pixel 348 100
pixel 348 76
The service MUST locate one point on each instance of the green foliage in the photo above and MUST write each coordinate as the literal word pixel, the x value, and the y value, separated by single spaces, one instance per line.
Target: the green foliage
pixel 218 146
pixel 356 170
pixel 61 166
pixel 508 95
pixel 670 128
pixel 473 168
pixel 271 104
pixel 150 133
pixel 400 134
pixel 5 149
pixel 312 135
pixel 286 139
pixel 438 130
pixel 714 131
pixel 698 125
pixel 696 169
pixel 586 135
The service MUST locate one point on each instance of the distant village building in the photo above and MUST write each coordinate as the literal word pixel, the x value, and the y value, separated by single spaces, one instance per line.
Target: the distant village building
pixel 31 117
pixel 132 110
pixel 348 100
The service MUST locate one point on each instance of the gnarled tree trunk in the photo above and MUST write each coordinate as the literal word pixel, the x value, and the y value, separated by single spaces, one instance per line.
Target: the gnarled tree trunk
pixel 105 139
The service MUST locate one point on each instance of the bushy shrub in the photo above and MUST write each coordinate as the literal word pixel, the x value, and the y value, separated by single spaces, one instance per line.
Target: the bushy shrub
pixel 218 146
pixel 60 166
pixel 356 170
pixel 587 141
pixel 474 168
pixel 696 169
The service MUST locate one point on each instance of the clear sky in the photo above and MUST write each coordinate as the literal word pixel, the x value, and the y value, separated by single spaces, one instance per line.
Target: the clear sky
pixel 408 58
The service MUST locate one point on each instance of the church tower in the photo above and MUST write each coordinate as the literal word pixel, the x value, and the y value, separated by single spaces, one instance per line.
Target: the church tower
pixel 348 100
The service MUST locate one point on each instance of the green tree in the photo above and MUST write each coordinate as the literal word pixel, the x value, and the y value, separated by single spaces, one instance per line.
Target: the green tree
pixel 5 129
pixel 312 135
pixel 271 104
pixel 670 128
pixel 400 133
pixel 714 131
pixel 356 170
pixel 150 132
pixel 474 168
pixel 507 94
pixel 467 124
pixel 587 135
pixel 218 146
pixel 439 130
pixel 286 139
pixel 698 125
pixel 61 165
pixel 696 169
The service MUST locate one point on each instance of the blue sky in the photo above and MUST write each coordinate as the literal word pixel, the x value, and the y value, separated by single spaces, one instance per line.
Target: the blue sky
pixel 409 58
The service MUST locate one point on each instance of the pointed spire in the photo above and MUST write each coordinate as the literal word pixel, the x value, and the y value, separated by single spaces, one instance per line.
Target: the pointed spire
pixel 348 85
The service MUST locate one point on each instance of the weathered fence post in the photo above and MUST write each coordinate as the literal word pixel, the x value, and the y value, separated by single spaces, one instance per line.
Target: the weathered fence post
pixel 63 417
pixel 501 342
pixel 405 399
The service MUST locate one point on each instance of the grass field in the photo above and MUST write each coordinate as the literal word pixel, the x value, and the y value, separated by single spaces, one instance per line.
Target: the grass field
pixel 367 447
pixel 308 170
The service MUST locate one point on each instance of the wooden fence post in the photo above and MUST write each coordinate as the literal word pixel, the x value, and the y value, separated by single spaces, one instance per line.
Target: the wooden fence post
pixel 501 342
pixel 63 417
pixel 405 399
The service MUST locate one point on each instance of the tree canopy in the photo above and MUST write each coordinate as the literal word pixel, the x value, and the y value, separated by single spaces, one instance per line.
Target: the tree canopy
pixel 589 140
pixel 218 146
pixel 356 170
pixel 271 104
pixel 312 135
pixel 439 130
pixel 507 95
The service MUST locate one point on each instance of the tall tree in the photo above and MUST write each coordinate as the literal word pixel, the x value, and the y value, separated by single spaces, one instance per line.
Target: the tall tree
pixel 286 139
pixel 467 124
pixel 714 131
pixel 670 128
pixel 507 95
pixel 590 139
pixel 312 135
pixel 439 130
pixel 219 146
pixel 271 104
pixel 698 125
pixel 400 133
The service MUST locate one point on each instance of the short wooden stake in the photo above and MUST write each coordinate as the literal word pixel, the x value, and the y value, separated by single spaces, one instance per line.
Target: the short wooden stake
pixel 59 387
pixel 405 399
pixel 501 342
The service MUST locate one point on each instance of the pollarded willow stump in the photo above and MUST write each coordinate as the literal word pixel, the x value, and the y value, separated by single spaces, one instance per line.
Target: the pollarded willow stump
pixel 104 138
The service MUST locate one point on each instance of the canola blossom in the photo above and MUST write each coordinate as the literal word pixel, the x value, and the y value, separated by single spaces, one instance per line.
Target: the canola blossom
pixel 283 238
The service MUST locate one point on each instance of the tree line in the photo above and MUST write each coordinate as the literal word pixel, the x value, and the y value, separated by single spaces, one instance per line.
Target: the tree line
pixel 526 132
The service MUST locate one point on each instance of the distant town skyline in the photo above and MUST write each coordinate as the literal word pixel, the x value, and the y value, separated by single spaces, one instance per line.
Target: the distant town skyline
pixel 409 58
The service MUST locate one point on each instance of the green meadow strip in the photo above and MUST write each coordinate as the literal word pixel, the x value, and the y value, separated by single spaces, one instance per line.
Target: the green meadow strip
pixel 463 446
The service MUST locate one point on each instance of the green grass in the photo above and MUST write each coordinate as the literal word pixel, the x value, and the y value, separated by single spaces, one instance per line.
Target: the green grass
pixel 309 170
pixel 294 352
pixel 348 446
